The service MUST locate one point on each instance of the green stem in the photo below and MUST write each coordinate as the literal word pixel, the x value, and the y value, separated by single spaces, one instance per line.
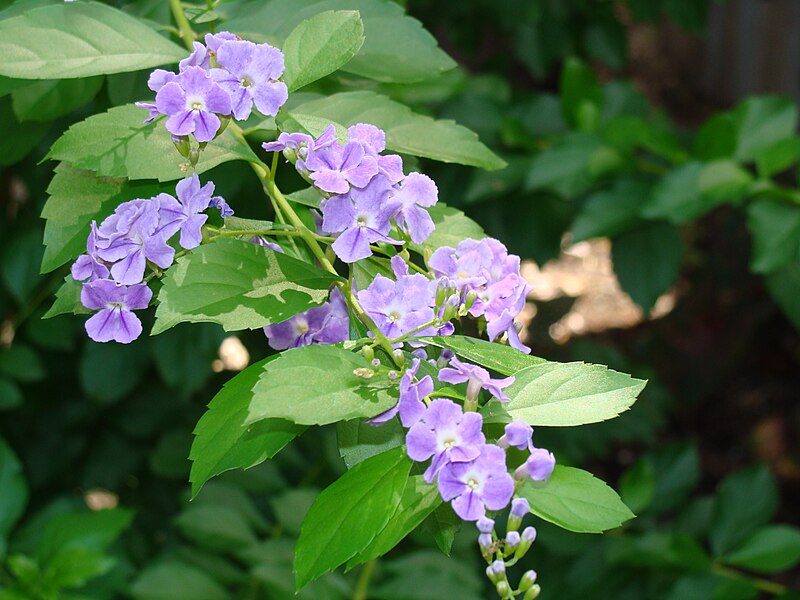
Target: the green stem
pixel 764 585
pixel 186 33
pixel 271 232
pixel 362 586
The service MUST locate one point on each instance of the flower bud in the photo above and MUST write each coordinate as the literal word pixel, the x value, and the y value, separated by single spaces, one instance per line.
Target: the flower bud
pixel 399 357
pixel 519 508
pixel 496 571
pixel 182 145
pixel 470 298
pixel 485 540
pixel 223 124
pixel 392 374
pixel 485 525
pixel 503 589
pixel 533 592
pixel 527 581
pixel 375 362
pixel 442 292
pixel 194 156
pixel 368 353
pixel 512 540
pixel 526 541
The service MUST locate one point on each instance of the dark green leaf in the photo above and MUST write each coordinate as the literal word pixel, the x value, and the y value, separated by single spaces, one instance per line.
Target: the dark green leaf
pixel 15 490
pixel 68 300
pixel 772 549
pixel 784 286
pixel 78 40
pixel 580 95
pixel 316 385
pixel 321 45
pixel 18 139
pixel 88 530
pixel 117 143
pixel 503 359
pixel 775 228
pixel 761 122
pixel 443 524
pixel 716 138
pixel 52 98
pixel 10 394
pixel 358 440
pixel 22 363
pixel 575 500
pixel 610 212
pixel 567 394
pixel 173 580
pixel 22 256
pixel 109 372
pixel 406 132
pixel 647 261
pixel 223 441
pixel 217 528
pixel 238 285
pixel 360 502
pixel 637 486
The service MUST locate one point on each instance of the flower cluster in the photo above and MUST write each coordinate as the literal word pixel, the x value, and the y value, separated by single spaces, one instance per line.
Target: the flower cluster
pixel 325 324
pixel 365 190
pixel 117 253
pixel 225 77
pixel 486 271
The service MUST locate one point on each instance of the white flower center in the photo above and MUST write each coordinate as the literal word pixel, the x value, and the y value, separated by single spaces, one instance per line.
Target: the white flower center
pixel 472 483
pixel 246 81
pixel 449 442
pixel 361 221
pixel 394 316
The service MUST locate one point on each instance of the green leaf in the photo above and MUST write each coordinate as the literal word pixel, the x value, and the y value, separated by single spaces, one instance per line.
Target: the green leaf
pixel 772 549
pixel 76 198
pixel 784 286
pixel 443 524
pixel 610 212
pixel 238 285
pixel 577 501
pixel 676 471
pixel 676 197
pixel 52 98
pixel 22 255
pixel 406 132
pixel 358 440
pixel 647 261
pixel 22 363
pixel 317 385
pixel 567 394
pixel 396 47
pixel 88 530
pixel 746 500
pixel 360 502
pixel 217 528
pixel 716 138
pixel 426 575
pixel 775 228
pixel 15 490
pixel 321 45
pixel 581 95
pixel 222 440
pixel 10 395
pixel 778 157
pixel 452 227
pixel 68 300
pixel 503 359
pixel 117 143
pixel 761 122
pixel 419 500
pixel 66 40
pixel 724 181
pixel 173 580
pixel 74 567
pixel 18 139
pixel 637 486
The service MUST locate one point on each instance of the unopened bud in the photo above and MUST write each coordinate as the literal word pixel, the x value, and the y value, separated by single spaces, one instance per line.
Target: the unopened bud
pixel 450 310
pixel 485 525
pixel 503 589
pixel 527 581
pixel 512 540
pixel 470 298
pixel 526 541
pixel 368 353
pixel 194 156
pixel 223 124
pixel 392 374
pixel 519 508
pixel 496 571
pixel 533 592
pixel 442 292
pixel 182 145
pixel 399 357
pixel 375 362
pixel 485 540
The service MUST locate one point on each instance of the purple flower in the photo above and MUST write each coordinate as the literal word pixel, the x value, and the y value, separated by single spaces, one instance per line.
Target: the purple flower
pixel 185 214
pixel 192 103
pixel 90 266
pixel 115 321
pixel 128 239
pixel 297 146
pixel 265 243
pixel 415 192
pixel 326 324
pixel 476 378
pixel 335 168
pixel 520 507
pixel 223 207
pixel 249 74
pixel 446 434
pixel 540 464
pixel 362 217
pixel 158 79
pixel 475 486
pixel 374 142
pixel 201 55
pixel 518 434
pixel 398 307
pixel 411 406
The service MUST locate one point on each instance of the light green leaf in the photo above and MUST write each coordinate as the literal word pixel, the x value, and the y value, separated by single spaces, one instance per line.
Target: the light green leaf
pixel 567 394
pixel 358 440
pixel 321 45
pixel 396 47
pixel 761 122
pixel 76 198
pixel 15 490
pixel 317 385
pixel 503 359
pixel 173 580
pixel 775 228
pixel 68 300
pixel 577 501
pixel 647 261
pixel 238 285
pixel 360 502
pixel 406 132
pixel 117 143
pixel 222 440
pixel 419 500
pixel 772 549
pixel 80 39
pixel 52 98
